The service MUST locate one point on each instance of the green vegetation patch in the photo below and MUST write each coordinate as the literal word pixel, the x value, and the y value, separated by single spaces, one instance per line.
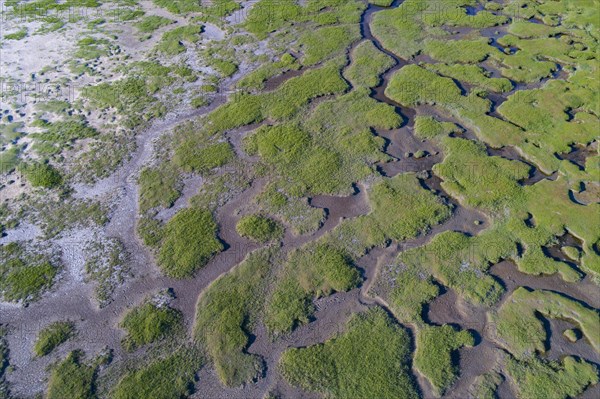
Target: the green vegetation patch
pixel 453 51
pixel 414 85
pixel 72 378
pixel 369 359
pixel 267 16
pixel 167 377
pixel 226 311
pixel 190 241
pixel 199 151
pixel 172 41
pixel 256 79
pixel 547 113
pixel 282 103
pixel 294 155
pixel 18 35
pixel 203 160
pixel 224 67
pixel 41 175
pixel 60 135
pixel 478 180
pixel 420 210
pixel 292 209
pixel 522 332
pixel 90 48
pixel 313 271
pixel 368 64
pixel 149 323
pixel 259 228
pixel 429 127
pixel 409 289
pixel 333 148
pixel 159 186
pixel 460 261
pixel 406 30
pixel 433 358
pixel 51 336
pixel 10 132
pixel 129 96
pixel 486 385
pixel 179 6
pixel 220 8
pixel 151 23
pixel 54 216
pixel 537 378
pixel 353 112
pixel 472 74
pixel 321 44
pixel 24 275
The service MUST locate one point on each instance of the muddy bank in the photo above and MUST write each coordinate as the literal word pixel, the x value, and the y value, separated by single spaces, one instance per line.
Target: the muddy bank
pixel 73 299
pixel 584 290
pixel 329 319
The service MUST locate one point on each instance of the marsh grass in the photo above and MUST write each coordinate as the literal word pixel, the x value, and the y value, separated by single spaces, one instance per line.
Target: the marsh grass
pixel 171 42
pixel 226 312
pixel 72 378
pixel 368 64
pixel 536 378
pixel 433 358
pixel 313 271
pixel 520 329
pixel 189 242
pixel 259 228
pixel 158 187
pixel 368 359
pixel 420 211
pixel 166 377
pixel 41 175
pixel 149 323
pixel 152 22
pixel 25 275
pixel 53 335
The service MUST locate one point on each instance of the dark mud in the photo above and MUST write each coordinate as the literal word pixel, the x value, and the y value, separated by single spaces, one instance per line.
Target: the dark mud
pixel 511 153
pixel 278 80
pixel 98 328
pixel 579 154
pixel 585 290
pixel 450 308
pixel 559 346
pixel 556 253
pixel 343 207
pixel 329 319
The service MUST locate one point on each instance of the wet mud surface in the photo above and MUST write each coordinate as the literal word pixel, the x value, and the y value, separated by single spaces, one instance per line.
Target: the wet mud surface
pixel 98 327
